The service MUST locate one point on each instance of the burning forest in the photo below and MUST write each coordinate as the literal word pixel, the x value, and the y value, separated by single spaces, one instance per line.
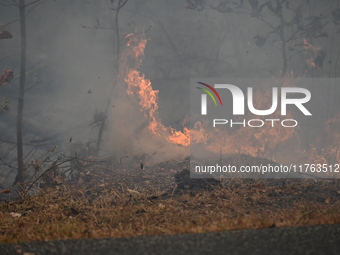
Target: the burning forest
pixel 127 118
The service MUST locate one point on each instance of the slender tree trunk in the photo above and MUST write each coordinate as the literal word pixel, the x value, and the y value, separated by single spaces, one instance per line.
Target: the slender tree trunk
pixel 283 51
pixel 283 41
pixel 20 153
pixel 117 38
pixel 120 5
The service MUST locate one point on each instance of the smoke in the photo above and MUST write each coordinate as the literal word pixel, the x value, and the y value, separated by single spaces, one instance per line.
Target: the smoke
pixel 135 129
pixel 129 135
pixel 71 52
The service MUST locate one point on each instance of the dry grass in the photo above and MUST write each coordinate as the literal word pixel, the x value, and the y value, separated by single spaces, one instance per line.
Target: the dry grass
pixel 101 211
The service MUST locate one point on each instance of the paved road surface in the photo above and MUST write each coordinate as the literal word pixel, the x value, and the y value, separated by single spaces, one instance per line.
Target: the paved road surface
pixel 323 239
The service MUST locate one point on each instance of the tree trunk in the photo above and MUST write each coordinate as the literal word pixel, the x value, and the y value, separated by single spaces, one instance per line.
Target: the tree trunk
pixel 283 41
pixel 120 5
pixel 20 153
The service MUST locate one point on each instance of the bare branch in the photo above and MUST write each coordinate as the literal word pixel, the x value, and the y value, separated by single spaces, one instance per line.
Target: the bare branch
pixel 120 5
pixel 274 28
pixel 39 3
pixel 28 12
pixel 31 87
pixel 97 27
pixel 36 1
pixel 9 23
pixel 8 5
pixel 54 165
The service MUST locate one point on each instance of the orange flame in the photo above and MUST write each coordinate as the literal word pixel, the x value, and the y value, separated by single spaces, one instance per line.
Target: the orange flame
pixel 253 141
pixel 316 50
pixel 309 46
pixel 139 86
pixel 246 140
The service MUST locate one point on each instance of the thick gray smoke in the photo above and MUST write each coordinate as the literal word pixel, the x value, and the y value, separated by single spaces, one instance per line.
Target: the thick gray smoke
pixel 71 62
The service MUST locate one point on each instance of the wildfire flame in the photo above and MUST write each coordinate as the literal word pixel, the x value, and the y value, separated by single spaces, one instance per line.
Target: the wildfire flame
pixel 250 141
pixel 309 46
pixel 139 86
pixel 315 50
pixel 246 140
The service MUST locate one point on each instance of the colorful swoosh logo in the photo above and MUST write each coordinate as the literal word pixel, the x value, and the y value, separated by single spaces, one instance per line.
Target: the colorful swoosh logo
pixel 209 93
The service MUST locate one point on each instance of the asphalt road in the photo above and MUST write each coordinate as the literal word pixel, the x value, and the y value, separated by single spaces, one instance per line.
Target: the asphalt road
pixel 322 239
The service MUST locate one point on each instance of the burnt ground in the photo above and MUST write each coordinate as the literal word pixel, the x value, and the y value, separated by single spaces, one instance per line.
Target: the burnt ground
pixel 173 178
pixel 163 200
